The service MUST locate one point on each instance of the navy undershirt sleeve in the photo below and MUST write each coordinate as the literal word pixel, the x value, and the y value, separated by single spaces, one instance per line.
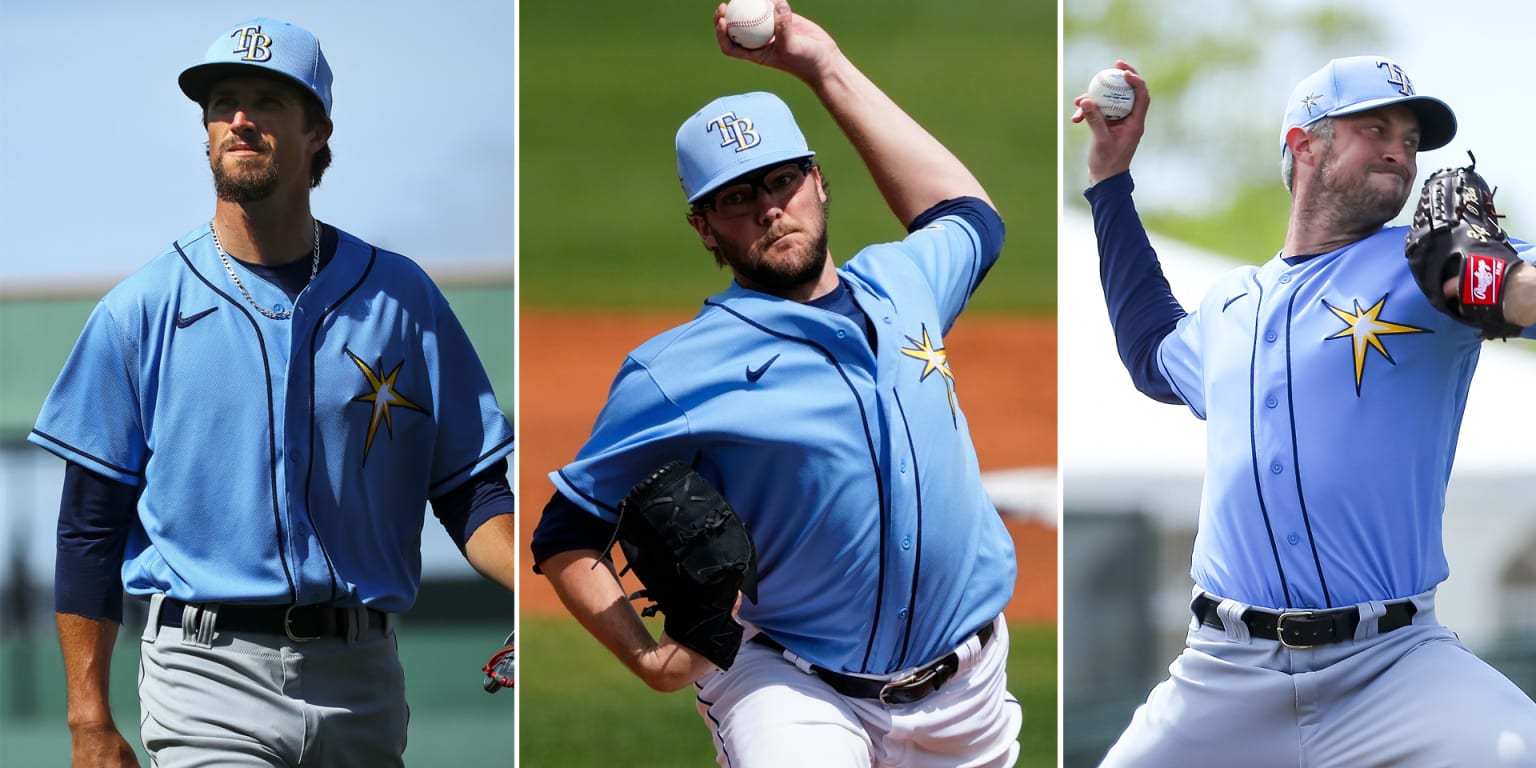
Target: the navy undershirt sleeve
pixel 465 508
pixel 96 514
pixel 564 527
pixel 1142 309
pixel 982 217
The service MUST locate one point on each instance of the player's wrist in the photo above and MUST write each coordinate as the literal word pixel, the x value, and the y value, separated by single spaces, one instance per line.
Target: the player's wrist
pixel 1520 301
pixel 90 721
pixel 669 665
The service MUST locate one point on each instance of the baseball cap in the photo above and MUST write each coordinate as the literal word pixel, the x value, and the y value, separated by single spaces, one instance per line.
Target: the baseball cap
pixel 264 44
pixel 733 135
pixel 1358 83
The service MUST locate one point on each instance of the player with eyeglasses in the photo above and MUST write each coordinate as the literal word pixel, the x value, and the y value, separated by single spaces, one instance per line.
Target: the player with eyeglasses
pixel 737 198
pixel 820 401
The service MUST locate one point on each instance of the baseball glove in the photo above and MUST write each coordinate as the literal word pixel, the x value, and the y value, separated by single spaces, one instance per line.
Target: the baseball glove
pixel 693 554
pixel 500 671
pixel 1456 231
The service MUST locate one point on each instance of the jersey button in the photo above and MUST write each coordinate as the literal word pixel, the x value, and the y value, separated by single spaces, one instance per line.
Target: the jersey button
pixel 1293 538
pixel 903 466
pixel 841 333
pixel 906 542
pixel 1276 468
pixel 1270 336
pixel 902 614
pixel 1272 402
pixel 1285 279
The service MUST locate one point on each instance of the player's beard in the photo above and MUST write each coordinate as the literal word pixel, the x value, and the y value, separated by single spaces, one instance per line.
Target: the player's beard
pixel 1354 202
pixel 784 272
pixel 250 179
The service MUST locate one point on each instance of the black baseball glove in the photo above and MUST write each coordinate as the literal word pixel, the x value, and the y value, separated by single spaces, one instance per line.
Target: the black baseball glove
pixel 500 671
pixel 693 554
pixel 1456 231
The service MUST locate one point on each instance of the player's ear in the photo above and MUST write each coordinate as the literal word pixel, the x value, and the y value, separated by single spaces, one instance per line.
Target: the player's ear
pixel 1301 144
pixel 706 232
pixel 821 190
pixel 322 134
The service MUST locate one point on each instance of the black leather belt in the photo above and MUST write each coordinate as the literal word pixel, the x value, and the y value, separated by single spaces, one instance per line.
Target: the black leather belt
pixel 1305 629
pixel 300 623
pixel 907 690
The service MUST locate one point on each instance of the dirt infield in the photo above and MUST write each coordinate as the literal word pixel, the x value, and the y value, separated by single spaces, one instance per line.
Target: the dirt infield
pixel 1005 373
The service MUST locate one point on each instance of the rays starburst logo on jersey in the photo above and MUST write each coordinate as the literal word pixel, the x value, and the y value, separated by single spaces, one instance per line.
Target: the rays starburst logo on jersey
pixel 382 397
pixel 1365 329
pixel 934 359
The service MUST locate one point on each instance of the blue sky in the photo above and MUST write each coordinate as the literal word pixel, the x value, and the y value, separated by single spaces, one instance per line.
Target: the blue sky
pixel 102 160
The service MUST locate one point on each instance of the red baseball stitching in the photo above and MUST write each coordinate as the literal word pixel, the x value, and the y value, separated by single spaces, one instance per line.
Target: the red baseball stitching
pixel 768 14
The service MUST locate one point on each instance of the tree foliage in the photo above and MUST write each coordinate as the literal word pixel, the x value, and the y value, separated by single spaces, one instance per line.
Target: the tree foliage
pixel 1208 169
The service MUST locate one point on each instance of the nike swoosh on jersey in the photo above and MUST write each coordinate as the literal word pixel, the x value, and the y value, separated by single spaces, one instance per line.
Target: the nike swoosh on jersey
pixel 753 376
pixel 183 321
pixel 1233 299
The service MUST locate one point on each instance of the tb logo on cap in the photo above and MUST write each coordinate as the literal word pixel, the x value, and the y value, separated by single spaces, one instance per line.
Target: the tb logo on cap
pixel 1397 77
pixel 735 130
pixel 254 44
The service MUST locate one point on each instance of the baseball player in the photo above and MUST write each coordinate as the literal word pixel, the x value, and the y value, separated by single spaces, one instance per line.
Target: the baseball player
pixel 1332 391
pixel 820 402
pixel 253 424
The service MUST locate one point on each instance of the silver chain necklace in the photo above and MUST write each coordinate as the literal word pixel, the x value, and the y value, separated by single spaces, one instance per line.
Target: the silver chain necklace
pixel 314 269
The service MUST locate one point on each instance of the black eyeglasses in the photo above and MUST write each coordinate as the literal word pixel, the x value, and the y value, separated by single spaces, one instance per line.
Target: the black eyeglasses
pixel 740 198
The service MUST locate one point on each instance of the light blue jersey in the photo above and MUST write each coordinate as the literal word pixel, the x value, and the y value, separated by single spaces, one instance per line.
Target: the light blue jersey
pixel 1333 394
pixel 280 461
pixel 853 469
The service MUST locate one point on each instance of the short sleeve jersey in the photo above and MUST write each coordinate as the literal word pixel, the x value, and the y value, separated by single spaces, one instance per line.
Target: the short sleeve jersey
pixel 280 461
pixel 852 467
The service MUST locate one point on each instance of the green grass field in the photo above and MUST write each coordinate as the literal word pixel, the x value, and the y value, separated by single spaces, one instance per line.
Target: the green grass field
pixel 605 84
pixel 581 708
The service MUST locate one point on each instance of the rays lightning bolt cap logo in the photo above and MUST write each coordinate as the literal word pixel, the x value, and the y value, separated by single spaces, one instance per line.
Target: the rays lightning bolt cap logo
pixel 1396 76
pixel 383 398
pixel 734 130
pixel 253 44
pixel 935 359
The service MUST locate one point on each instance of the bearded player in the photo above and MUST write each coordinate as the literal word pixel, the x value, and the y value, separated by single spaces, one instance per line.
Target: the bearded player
pixel 254 423
pixel 820 402
pixel 1332 380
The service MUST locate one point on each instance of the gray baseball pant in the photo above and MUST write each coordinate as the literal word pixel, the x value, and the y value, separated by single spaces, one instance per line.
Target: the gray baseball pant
pixel 214 698
pixel 1412 697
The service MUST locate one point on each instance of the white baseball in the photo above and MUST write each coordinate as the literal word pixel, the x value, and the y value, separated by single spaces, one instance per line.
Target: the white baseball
pixel 1112 93
pixel 749 22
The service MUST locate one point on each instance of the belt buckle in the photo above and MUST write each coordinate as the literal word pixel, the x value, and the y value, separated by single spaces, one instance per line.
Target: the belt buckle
pixel 1280 628
pixel 288 627
pixel 911 681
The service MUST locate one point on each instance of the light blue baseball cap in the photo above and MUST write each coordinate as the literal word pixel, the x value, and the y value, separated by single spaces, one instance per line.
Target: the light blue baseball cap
pixel 266 44
pixel 1358 83
pixel 733 135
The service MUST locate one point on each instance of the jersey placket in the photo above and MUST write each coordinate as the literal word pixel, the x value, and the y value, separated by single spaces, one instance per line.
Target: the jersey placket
pixel 1274 439
pixel 902 546
pixel 292 383
pixel 889 463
